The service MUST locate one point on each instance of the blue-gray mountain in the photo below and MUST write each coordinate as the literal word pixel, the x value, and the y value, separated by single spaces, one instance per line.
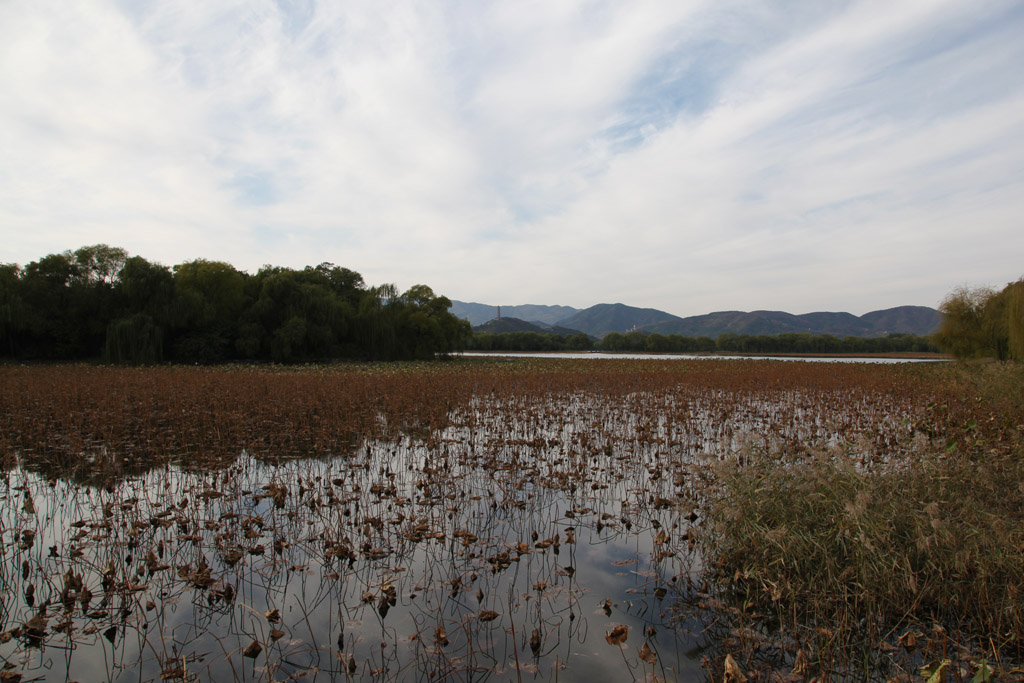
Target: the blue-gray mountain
pixel 478 314
pixel 603 319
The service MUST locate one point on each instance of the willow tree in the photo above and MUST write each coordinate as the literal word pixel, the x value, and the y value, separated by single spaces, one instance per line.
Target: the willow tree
pixel 135 340
pixel 983 322
pixel 961 330
pixel 145 296
pixel 1015 319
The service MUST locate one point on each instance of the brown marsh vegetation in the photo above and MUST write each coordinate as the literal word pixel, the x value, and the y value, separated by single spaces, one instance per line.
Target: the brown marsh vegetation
pixel 530 520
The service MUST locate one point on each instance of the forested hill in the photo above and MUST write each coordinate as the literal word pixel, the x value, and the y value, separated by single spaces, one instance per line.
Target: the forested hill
pixel 915 320
pixel 478 314
pixel 505 325
pixel 603 319
pixel 99 303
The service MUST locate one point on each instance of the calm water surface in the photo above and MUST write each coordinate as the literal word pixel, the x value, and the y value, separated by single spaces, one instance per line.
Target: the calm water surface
pixel 668 356
pixel 507 545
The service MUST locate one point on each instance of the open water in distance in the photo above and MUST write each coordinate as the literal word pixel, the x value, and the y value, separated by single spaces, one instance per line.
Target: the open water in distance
pixel 683 356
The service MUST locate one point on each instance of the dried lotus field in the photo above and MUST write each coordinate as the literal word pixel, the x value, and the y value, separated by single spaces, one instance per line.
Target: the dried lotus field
pixel 537 519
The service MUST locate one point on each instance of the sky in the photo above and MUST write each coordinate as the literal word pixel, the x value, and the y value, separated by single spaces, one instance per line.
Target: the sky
pixel 686 155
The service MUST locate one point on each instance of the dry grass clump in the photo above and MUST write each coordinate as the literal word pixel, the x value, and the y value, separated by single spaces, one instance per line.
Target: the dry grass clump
pixel 936 537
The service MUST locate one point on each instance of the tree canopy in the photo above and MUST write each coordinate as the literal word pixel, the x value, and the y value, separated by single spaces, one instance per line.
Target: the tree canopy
pixel 642 342
pixel 982 322
pixel 99 303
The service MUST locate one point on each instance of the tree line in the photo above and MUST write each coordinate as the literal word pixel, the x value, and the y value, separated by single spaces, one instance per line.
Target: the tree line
pixel 983 322
pixel 641 342
pixel 100 303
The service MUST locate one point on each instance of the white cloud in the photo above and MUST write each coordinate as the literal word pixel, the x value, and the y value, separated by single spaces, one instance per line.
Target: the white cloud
pixel 689 156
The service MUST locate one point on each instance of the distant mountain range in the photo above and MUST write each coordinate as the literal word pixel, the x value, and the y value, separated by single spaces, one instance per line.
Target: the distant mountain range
pixel 602 319
pixel 478 314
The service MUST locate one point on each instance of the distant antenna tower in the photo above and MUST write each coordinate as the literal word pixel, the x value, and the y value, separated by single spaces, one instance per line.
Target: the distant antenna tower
pixel 499 312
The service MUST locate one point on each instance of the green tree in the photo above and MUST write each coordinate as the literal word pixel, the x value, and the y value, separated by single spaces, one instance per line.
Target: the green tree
pixel 144 293
pixel 962 331
pixel 1015 319
pixel 426 327
pixel 134 339
pixel 995 330
pixel 209 298
pixel 93 297
pixel 47 292
pixel 69 300
pixel 11 308
pixel 98 302
pixel 304 314
pixel 100 263
pixel 658 343
pixel 346 283
pixel 705 344
pixel 728 341
pixel 144 287
pixel 579 342
pixel 613 341
pixel 209 293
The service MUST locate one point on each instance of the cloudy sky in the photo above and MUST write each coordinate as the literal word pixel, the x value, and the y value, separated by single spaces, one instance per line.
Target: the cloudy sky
pixel 685 155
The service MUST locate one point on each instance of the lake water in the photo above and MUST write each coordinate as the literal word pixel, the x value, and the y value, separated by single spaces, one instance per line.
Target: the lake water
pixel 668 356
pixel 520 540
